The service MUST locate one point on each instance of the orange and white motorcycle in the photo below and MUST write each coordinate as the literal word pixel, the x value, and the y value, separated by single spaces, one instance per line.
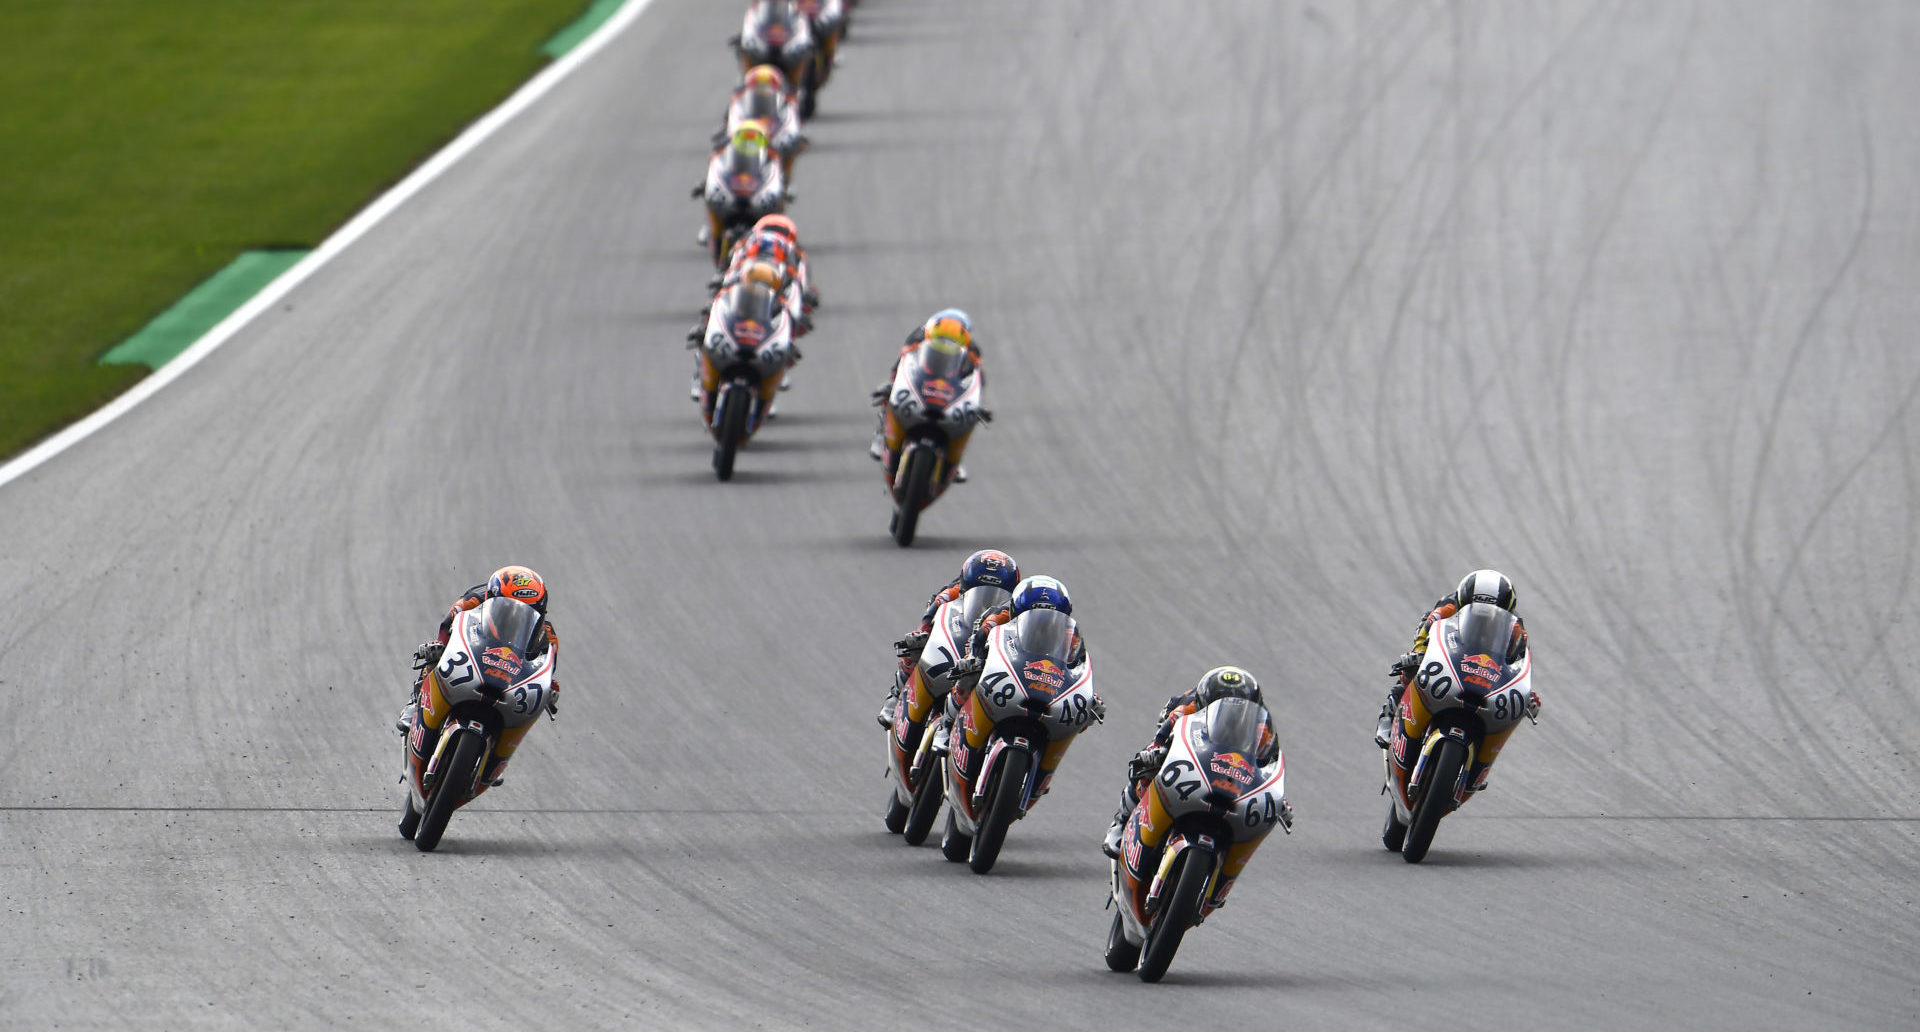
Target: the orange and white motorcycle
pixel 1013 728
pixel 1194 829
pixel 1462 703
pixel 487 691
pixel 913 767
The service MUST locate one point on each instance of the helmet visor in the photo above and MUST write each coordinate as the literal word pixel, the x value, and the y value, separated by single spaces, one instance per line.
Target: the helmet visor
pixel 1483 629
pixel 942 358
pixel 755 301
pixel 1042 632
pixel 1233 725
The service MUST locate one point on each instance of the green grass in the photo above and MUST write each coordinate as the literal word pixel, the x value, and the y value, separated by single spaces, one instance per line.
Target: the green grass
pixel 145 143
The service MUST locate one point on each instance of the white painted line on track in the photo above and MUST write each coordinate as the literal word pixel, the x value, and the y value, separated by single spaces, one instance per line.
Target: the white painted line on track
pixel 357 227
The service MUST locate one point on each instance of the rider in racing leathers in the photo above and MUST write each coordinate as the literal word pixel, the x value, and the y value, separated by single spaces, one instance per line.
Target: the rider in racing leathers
pixel 515 582
pixel 987 566
pixel 1478 586
pixel 948 323
pixel 1223 682
pixel 1030 593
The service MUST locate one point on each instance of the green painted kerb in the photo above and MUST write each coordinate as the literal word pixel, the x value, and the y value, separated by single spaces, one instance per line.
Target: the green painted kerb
pixel 582 27
pixel 175 329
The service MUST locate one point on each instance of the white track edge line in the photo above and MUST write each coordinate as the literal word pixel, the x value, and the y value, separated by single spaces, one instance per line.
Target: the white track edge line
pixel 358 226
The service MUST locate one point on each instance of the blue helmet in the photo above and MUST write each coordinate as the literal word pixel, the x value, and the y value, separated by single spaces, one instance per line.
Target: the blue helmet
pixel 1041 593
pixel 989 566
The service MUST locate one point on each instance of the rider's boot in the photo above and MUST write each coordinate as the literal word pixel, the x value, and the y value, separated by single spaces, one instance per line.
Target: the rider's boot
pixel 959 474
pixel 944 732
pixel 1128 801
pixel 889 707
pixel 1383 733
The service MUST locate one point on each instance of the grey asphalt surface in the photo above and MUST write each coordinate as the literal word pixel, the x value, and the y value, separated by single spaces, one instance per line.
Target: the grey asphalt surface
pixel 1292 314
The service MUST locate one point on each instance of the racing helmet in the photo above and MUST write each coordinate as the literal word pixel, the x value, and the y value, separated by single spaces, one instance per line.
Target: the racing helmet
pixel 520 584
pixel 1041 593
pixel 761 271
pixel 947 327
pixel 765 75
pixel 750 139
pixel 1485 586
pixel 989 566
pixel 1227 682
pixel 779 224
pixel 955 313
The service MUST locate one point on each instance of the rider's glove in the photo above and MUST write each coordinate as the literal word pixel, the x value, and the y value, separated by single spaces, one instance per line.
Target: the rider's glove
pixel 1533 704
pixel 428 654
pixel 879 394
pixel 1146 763
pixel 1098 707
pixel 983 415
pixel 967 666
pixel 1406 664
pixel 911 644
pixel 553 700
pixel 1286 816
pixel 698 191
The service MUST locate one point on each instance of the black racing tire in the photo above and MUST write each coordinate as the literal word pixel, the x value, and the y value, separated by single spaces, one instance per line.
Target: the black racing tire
pixel 409 819
pixel 1121 954
pixel 733 430
pixel 926 804
pixel 896 812
pixel 918 478
pixel 1395 832
pixel 1010 784
pixel 1176 914
pixel 953 845
pixel 808 102
pixel 1436 798
pixel 463 765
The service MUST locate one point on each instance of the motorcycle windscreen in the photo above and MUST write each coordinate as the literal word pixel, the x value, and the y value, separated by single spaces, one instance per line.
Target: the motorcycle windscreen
pixel 1483 632
pixel 1229 745
pixel 776 21
pixel 754 303
pixel 746 161
pixel 941 359
pixel 761 103
pixel 499 634
pixel 978 600
pixel 1038 640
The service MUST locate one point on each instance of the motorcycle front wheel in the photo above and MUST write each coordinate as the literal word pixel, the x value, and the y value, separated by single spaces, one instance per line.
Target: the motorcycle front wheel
pixel 953 845
pixel 1395 832
pixel 1121 954
pixel 1436 793
pixel 463 765
pixel 896 817
pixel 926 804
pixel 1176 915
pixel 733 430
pixel 1010 784
pixel 918 478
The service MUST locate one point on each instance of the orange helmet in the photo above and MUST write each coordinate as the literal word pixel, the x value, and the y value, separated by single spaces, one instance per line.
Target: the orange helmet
pixel 762 272
pixel 520 584
pixel 947 327
pixel 779 224
pixel 765 75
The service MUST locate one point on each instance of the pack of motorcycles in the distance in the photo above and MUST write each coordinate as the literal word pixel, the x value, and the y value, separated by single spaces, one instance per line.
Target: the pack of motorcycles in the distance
pixel 747 342
pixel 1017 709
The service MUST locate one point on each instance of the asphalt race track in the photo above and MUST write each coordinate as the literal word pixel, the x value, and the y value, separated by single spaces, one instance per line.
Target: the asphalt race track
pixel 1293 314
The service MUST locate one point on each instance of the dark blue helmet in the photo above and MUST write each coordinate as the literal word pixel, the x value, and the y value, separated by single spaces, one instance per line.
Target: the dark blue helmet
pixel 989 566
pixel 1041 593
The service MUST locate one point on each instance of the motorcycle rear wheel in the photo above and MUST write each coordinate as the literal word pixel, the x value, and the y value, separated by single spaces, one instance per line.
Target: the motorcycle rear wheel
pixel 1436 797
pixel 1395 832
pixel 1176 915
pixel 733 429
pixel 918 476
pixel 1121 954
pixel 896 812
pixel 463 764
pixel 953 845
pixel 1010 784
pixel 926 804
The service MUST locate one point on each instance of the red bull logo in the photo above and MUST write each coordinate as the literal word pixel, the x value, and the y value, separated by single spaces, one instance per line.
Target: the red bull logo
pixel 1236 768
pixel 747 331
pixel 1047 672
pixel 1480 670
pixel 501 659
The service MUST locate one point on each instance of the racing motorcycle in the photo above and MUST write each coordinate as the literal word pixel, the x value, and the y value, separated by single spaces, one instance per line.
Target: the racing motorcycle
pixel 1194 829
pixel 488 689
pixel 745 348
pixel 931 411
pixel 780 119
pixel 1465 699
pixel 775 32
pixel 1016 720
pixel 828 20
pixel 914 799
pixel 739 191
